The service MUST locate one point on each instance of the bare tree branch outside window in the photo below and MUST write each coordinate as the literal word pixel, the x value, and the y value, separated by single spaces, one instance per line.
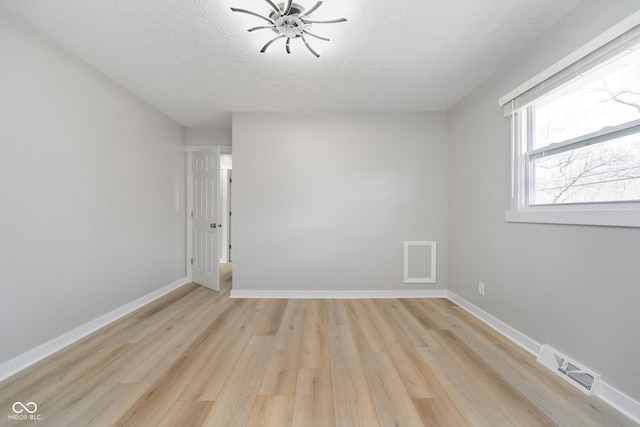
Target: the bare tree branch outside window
pixel 601 172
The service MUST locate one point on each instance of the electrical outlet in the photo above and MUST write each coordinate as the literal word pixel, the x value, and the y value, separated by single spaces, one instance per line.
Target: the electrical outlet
pixel 481 288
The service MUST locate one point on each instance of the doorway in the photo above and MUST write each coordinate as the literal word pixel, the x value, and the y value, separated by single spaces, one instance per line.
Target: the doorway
pixel 209 244
pixel 226 276
pixel 226 215
pixel 226 180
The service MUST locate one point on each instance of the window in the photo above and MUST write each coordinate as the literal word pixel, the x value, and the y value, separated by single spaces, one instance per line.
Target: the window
pixel 576 139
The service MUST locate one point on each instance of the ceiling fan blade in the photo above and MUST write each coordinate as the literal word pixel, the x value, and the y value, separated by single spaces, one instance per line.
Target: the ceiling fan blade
pixel 316 36
pixel 266 46
pixel 333 21
pixel 309 47
pixel 287 9
pixel 274 7
pixel 235 9
pixel 310 11
pixel 289 45
pixel 266 27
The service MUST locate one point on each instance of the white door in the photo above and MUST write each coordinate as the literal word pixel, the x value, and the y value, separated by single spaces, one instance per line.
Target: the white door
pixel 205 218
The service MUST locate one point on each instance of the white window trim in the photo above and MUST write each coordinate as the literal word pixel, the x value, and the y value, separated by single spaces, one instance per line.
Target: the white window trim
pixel 618 214
pixel 623 214
pixel 610 217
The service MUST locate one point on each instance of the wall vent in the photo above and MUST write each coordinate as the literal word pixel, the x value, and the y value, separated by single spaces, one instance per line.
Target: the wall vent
pixel 570 370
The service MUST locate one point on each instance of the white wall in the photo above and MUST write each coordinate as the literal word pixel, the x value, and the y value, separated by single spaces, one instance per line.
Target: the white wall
pixel 325 201
pixel 575 288
pixel 208 137
pixel 92 184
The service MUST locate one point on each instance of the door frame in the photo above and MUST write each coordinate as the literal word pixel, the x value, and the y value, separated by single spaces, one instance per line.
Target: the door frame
pixel 189 150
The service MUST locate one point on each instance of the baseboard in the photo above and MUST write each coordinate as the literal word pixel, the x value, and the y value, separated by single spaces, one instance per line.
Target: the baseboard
pixel 29 358
pixel 522 340
pixel 615 398
pixel 620 401
pixel 293 294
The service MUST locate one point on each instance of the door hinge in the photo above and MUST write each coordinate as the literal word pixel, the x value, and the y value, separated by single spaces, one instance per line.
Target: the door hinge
pixel 191 261
pixel 229 213
pixel 230 179
pixel 193 166
pixel 229 246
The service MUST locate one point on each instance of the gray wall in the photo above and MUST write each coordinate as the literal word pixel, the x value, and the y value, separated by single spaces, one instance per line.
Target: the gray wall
pixel 208 137
pixel 92 184
pixel 576 288
pixel 325 201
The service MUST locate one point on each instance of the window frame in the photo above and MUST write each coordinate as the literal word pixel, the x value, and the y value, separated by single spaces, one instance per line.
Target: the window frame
pixel 617 214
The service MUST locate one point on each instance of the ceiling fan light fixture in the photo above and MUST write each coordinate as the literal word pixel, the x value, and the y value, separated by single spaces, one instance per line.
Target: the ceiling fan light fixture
pixel 290 22
pixel 291 26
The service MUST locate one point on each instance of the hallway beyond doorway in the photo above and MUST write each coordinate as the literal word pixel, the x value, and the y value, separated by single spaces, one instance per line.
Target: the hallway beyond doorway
pixel 226 276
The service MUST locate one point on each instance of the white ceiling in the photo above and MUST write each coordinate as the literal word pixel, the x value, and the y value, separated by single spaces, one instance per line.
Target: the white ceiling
pixel 195 61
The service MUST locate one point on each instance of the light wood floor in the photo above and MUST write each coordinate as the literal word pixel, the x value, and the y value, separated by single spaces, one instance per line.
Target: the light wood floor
pixel 196 357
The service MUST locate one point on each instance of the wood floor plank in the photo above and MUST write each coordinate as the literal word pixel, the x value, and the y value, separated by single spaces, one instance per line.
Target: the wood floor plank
pixel 409 327
pixel 50 392
pixel 271 411
pixel 467 327
pixel 78 395
pixel 315 342
pixel 158 351
pixel 365 334
pixel 313 405
pixel 280 375
pixel 273 317
pixel 62 367
pixel 166 302
pixel 463 392
pixel 541 387
pixel 548 392
pixel 439 412
pixel 197 357
pixel 514 405
pixel 205 299
pixel 600 413
pixel 106 410
pixel 424 314
pixel 351 395
pixel 153 405
pixel 393 404
pixel 222 357
pixel 235 401
pixel 416 375
pixel 160 312
pixel 187 414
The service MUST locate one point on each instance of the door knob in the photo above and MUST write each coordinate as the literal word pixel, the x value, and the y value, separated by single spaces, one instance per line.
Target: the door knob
pixel 212 226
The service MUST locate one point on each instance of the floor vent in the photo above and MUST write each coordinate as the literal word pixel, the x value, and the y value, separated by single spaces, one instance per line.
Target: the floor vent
pixel 571 371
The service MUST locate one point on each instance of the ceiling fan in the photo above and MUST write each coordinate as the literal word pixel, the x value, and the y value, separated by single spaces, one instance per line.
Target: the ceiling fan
pixel 289 21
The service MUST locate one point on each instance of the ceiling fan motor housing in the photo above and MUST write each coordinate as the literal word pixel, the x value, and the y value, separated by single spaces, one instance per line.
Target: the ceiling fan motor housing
pixel 289 25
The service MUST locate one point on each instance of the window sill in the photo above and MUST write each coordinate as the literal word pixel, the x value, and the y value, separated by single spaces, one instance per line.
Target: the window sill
pixel 608 218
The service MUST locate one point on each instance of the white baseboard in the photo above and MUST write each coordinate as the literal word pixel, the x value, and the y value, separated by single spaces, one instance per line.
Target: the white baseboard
pixel 522 340
pixel 292 294
pixel 27 359
pixel 618 400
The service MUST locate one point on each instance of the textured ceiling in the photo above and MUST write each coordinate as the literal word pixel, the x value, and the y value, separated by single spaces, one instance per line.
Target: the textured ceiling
pixel 195 61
